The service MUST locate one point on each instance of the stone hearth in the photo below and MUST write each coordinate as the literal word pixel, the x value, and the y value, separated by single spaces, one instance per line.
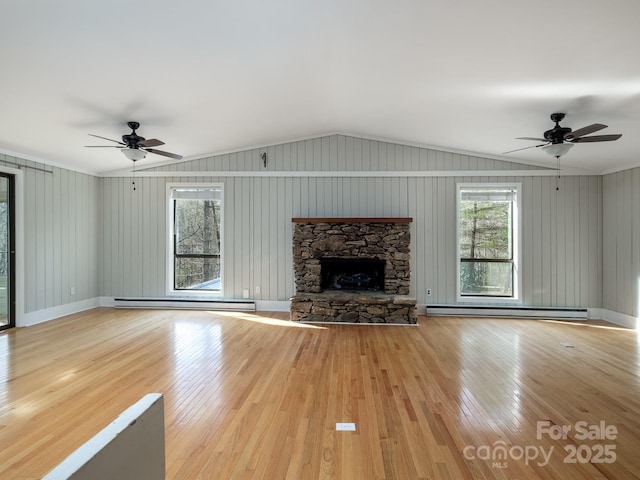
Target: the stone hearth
pixel 353 307
pixel 382 239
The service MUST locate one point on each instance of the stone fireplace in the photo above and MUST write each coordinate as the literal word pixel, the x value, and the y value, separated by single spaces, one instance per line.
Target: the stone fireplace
pixel 353 270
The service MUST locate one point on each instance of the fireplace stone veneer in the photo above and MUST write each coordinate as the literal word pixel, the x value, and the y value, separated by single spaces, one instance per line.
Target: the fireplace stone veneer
pixel 385 239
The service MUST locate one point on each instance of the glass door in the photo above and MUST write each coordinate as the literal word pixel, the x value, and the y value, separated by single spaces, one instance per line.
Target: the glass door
pixel 7 252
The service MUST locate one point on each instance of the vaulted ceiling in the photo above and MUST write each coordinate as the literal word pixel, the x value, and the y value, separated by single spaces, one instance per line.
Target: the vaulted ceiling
pixel 208 76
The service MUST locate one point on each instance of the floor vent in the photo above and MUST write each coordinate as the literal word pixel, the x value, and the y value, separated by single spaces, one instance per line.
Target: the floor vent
pixel 511 312
pixel 186 304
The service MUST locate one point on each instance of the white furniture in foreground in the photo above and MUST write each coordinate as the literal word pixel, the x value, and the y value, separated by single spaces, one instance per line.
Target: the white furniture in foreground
pixel 129 448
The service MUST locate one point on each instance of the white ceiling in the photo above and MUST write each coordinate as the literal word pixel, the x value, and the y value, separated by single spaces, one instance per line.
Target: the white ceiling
pixel 207 76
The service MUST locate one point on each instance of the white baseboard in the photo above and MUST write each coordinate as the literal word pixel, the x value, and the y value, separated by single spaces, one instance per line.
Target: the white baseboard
pixel 107 301
pixel 46 314
pixel 594 313
pixel 622 319
pixel 273 305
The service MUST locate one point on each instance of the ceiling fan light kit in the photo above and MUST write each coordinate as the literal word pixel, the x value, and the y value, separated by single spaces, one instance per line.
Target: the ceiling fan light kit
pixel 557 149
pixel 134 154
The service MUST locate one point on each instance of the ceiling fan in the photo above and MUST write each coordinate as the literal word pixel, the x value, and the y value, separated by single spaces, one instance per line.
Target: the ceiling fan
pixel 559 140
pixel 134 146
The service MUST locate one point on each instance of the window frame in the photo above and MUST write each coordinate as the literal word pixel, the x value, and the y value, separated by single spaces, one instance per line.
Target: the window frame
pixel 170 265
pixel 516 232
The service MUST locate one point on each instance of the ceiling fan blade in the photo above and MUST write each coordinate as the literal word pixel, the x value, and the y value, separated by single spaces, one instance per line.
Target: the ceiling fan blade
pixel 524 148
pixel 597 138
pixel 152 142
pixel 585 131
pixel 535 139
pixel 163 153
pixel 105 138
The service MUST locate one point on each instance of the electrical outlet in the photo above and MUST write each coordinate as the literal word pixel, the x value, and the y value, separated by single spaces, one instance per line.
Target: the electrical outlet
pixel 428 292
pixel 258 289
pixel 73 290
pixel 345 427
pixel 245 293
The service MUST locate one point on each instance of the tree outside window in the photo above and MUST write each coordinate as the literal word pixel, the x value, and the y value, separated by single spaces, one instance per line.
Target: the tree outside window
pixel 486 241
pixel 196 238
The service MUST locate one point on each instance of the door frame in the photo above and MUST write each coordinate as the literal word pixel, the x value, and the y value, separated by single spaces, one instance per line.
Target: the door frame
pixel 17 260
pixel 11 251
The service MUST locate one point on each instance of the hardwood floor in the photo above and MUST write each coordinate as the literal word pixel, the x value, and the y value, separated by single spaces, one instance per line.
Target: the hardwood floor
pixel 254 396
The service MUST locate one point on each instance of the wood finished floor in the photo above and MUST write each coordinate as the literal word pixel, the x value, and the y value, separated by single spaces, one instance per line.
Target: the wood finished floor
pixel 254 396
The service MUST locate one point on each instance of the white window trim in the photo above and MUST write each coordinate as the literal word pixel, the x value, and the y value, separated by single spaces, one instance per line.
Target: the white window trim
pixel 169 276
pixel 517 246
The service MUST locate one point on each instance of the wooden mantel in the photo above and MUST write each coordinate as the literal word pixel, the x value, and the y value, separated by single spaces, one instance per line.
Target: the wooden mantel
pixel 354 220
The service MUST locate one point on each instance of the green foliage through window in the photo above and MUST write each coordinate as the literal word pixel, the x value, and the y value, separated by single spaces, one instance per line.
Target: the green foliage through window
pixel 196 239
pixel 486 241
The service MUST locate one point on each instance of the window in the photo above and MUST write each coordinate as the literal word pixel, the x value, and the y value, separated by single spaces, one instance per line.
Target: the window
pixel 488 242
pixel 195 239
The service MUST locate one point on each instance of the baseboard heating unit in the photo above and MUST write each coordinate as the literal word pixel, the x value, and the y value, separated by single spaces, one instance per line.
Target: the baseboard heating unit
pixel 510 312
pixel 186 304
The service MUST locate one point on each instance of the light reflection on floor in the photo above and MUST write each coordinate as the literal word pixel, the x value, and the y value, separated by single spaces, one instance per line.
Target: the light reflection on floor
pixel 194 345
pixel 504 405
pixel 198 344
pixel 194 340
pixel 257 318
pixel 591 324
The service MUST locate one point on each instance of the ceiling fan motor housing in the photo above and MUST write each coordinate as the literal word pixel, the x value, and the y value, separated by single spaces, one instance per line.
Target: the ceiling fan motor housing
pixel 132 140
pixel 557 134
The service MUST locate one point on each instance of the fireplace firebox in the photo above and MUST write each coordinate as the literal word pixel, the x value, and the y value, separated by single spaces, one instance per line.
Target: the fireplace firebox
pixel 365 274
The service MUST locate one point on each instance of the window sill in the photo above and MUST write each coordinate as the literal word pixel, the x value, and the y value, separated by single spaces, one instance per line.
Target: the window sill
pixel 194 294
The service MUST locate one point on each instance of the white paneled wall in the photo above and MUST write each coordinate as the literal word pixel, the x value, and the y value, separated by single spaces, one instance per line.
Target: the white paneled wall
pixel 621 242
pixel 61 235
pixel 562 237
pixel 338 153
